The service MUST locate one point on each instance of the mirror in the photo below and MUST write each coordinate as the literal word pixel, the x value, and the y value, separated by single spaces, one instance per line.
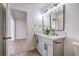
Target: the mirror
pixel 46 21
pixel 57 18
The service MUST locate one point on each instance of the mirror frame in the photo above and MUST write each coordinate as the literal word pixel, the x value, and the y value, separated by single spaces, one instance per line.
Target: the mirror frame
pixel 63 20
pixel 50 20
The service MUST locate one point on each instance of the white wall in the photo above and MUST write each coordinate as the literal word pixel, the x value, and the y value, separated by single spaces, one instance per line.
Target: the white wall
pixel 20 28
pixel 20 23
pixel 71 27
pixel 33 17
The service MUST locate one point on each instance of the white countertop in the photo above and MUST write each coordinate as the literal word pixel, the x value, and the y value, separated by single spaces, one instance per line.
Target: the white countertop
pixel 53 37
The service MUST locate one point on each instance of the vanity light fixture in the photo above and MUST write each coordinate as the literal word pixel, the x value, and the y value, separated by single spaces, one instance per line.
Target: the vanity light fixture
pixel 52 8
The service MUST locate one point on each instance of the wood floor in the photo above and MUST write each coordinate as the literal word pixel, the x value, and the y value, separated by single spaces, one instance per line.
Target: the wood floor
pixel 21 51
pixel 20 45
pixel 29 53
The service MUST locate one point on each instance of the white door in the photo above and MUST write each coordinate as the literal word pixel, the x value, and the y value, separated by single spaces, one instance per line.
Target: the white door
pixel 10 32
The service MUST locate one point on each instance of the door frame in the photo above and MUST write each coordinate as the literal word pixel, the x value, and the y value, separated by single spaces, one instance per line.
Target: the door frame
pixel 8 34
pixel 9 47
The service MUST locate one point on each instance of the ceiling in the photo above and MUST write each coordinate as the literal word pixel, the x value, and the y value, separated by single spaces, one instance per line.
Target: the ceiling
pixel 35 5
pixel 21 15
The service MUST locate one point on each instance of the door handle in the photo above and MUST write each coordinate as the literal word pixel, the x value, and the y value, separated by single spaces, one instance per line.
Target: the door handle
pixel 45 47
pixel 6 38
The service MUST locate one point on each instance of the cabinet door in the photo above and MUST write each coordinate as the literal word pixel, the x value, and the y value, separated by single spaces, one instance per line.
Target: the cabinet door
pixel 36 42
pixel 50 50
pixel 58 47
pixel 45 49
pixel 40 45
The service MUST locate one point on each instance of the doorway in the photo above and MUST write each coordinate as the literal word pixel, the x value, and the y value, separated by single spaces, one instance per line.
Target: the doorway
pixel 20 29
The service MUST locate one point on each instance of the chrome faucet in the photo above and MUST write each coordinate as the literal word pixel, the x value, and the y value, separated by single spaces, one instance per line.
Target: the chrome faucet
pixel 53 32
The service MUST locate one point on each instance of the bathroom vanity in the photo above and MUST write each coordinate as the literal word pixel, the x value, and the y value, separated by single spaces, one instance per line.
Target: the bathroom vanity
pixel 49 45
pixel 53 21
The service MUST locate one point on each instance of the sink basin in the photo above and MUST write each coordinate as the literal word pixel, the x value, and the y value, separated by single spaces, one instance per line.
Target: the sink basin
pixel 53 34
